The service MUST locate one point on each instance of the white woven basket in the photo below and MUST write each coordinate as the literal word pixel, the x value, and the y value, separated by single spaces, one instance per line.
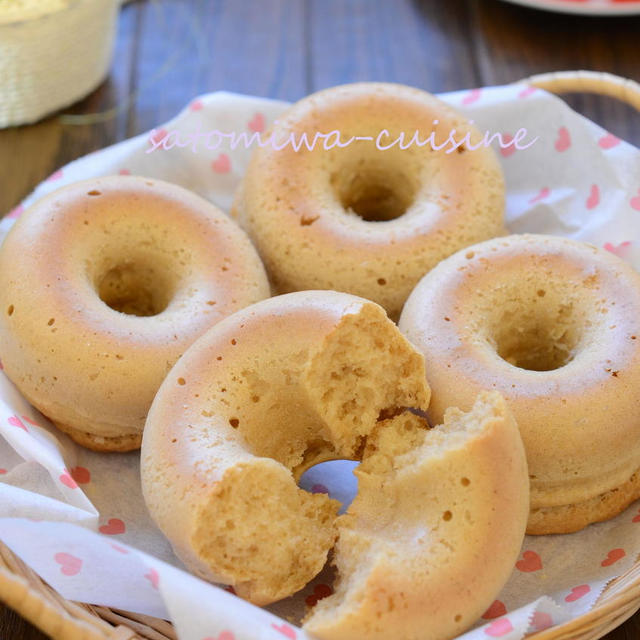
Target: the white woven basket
pixel 51 60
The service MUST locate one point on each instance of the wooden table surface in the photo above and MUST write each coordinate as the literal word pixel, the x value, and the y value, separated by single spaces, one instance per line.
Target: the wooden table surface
pixel 168 51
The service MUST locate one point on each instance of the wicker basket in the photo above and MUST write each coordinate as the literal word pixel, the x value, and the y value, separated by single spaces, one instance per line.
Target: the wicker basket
pixel 23 590
pixel 50 60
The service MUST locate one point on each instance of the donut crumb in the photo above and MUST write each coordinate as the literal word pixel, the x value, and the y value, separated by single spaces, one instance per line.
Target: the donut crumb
pixel 94 192
pixel 10 310
pixel 182 381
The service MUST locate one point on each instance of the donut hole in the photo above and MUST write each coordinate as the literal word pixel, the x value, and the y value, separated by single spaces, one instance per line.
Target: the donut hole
pixel 539 337
pixel 374 193
pixel 135 289
pixel 334 478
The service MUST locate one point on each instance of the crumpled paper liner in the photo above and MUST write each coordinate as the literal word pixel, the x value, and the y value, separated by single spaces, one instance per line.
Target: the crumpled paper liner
pixel 77 517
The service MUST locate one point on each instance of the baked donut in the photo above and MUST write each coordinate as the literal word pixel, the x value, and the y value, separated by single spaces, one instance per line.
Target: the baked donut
pixel 103 285
pixel 359 218
pixel 553 325
pixel 435 530
pixel 318 375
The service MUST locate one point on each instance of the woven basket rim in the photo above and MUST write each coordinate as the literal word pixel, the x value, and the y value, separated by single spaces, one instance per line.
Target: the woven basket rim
pixel 598 82
pixel 23 590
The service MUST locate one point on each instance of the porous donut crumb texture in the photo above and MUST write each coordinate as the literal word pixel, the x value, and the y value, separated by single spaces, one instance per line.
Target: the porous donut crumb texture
pixel 285 383
pixel 434 531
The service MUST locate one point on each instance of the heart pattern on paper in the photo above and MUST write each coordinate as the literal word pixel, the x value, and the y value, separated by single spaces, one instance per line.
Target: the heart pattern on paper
pixel 157 136
pixel 541 621
pixel 153 577
pixel 609 141
pixel 67 480
pixel 69 565
pixel 635 202
pixel 578 592
pixel 285 630
pixel 223 635
pixel 114 527
pixel 620 249
pixel 499 628
pixel 563 141
pixel 496 610
pixel 81 475
pixel 257 123
pixel 473 96
pixel 222 164
pixel 594 197
pixel 543 194
pixel 15 213
pixel 509 149
pixel 119 549
pixel 636 518
pixel 14 421
pixel 526 92
pixel 530 562
pixel 612 557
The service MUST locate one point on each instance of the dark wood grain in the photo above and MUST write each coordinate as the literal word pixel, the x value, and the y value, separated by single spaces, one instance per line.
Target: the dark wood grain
pixel 513 42
pixel 416 43
pixel 169 51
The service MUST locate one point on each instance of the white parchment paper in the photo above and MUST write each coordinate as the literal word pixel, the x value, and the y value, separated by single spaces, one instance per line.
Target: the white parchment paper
pixel 78 518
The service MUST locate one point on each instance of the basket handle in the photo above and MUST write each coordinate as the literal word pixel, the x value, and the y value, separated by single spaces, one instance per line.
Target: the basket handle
pixel 588 82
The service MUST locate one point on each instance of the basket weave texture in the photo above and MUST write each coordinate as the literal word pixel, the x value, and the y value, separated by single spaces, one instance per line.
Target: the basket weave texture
pixel 23 590
pixel 51 61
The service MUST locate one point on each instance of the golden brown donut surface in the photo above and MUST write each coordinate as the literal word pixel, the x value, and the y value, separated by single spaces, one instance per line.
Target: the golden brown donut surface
pixel 360 219
pixel 103 285
pixel 553 325
pixel 440 514
pixel 282 384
